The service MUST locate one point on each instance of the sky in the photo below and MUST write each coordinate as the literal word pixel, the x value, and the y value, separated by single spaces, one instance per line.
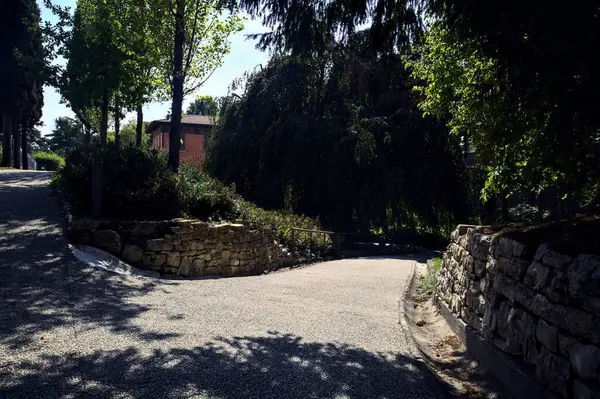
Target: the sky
pixel 243 57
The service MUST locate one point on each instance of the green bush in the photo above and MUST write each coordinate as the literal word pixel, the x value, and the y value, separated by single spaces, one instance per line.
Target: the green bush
pixel 48 160
pixel 136 184
pixel 282 222
pixel 202 197
pixel 524 213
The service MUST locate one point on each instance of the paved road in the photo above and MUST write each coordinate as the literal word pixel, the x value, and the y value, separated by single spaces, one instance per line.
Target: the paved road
pixel 323 331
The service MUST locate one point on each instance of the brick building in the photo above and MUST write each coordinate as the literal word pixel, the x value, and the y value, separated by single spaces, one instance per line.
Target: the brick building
pixel 195 130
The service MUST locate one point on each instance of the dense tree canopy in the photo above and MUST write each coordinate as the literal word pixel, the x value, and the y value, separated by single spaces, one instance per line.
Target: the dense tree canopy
pixel 23 71
pixel 340 137
pixel 204 105
pixel 67 135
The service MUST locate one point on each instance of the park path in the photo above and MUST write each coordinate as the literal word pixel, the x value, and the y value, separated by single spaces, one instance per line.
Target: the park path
pixel 67 330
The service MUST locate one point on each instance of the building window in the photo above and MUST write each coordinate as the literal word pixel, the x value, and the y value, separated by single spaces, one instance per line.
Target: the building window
pixel 182 143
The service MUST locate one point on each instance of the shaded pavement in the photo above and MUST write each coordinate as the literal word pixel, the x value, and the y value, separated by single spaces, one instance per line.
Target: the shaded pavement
pixel 66 330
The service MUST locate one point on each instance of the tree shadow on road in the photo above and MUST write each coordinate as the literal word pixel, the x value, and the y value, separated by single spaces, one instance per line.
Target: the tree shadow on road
pixel 272 366
pixel 42 286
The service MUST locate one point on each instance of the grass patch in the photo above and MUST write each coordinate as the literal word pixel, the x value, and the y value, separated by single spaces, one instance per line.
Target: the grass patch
pixel 430 280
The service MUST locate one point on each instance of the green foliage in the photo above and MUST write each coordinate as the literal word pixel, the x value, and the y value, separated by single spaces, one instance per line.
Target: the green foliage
pixel 429 281
pixel 48 160
pixel 339 137
pixel 127 135
pixel 136 184
pixel 203 197
pixel 204 105
pixel 206 41
pixel 516 140
pixel 67 136
pixel 525 213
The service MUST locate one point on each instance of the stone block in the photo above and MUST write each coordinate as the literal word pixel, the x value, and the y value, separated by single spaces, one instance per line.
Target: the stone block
pixel 505 286
pixel 159 244
pixel 185 266
pixel 556 260
pixel 520 332
pixel 225 255
pixel 582 391
pixel 513 267
pixel 504 248
pixel 132 253
pixel 108 240
pixel 538 276
pixel 584 282
pixel 212 270
pixel 154 260
pixel 565 343
pixel 182 228
pixel 586 361
pixel 579 323
pixel 557 290
pixel 173 259
pixel 523 295
pixel 145 229
pixel 197 268
pixel 479 305
pixel 547 334
pixel 491 265
pixel 554 371
pixel 89 225
pixel 480 246
pixel 479 268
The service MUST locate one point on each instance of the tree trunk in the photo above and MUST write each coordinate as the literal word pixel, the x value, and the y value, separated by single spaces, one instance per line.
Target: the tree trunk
pixel 139 125
pixel 6 134
pixel 504 206
pixel 87 138
pixel 24 159
pixel 174 135
pixel 117 128
pixel 16 146
pixel 104 117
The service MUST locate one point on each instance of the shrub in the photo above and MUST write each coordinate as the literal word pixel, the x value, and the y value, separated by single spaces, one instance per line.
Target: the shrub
pixel 523 213
pixel 282 222
pixel 203 197
pixel 48 160
pixel 430 280
pixel 136 184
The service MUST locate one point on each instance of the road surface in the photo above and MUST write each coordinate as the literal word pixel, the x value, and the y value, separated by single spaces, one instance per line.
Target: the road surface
pixel 330 330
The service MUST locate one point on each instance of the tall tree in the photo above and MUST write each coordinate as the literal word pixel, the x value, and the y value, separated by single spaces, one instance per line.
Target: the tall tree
pixel 23 67
pixel 355 152
pixel 192 40
pixel 67 136
pixel 204 105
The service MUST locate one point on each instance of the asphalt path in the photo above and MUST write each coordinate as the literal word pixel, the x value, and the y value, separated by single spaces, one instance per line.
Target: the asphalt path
pixel 329 330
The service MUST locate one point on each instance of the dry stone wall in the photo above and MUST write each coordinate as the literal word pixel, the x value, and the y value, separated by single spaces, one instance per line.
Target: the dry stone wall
pixel 536 304
pixel 185 247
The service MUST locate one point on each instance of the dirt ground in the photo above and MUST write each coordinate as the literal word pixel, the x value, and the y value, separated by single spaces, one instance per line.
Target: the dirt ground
pixel 442 350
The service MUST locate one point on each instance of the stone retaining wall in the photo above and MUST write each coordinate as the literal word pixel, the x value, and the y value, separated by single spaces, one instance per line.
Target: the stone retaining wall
pixel 536 304
pixel 184 247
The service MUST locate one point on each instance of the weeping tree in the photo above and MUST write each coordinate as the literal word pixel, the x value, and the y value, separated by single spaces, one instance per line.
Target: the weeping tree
pixel 542 70
pixel 340 137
